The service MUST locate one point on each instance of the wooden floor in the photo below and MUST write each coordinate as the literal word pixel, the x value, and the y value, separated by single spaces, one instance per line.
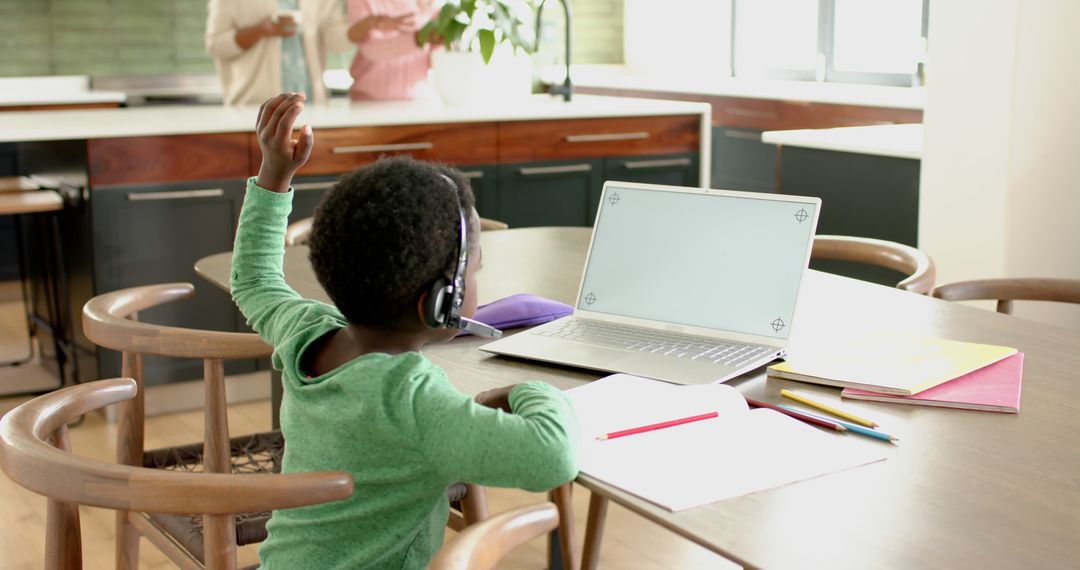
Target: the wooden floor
pixel 630 542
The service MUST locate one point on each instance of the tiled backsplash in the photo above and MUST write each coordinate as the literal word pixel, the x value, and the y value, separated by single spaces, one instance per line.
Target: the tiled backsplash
pixel 155 37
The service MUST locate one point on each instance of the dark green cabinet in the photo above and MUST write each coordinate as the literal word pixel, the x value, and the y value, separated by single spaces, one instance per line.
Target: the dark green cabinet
pixel 740 161
pixel 9 266
pixel 307 193
pixel 484 181
pixel 153 234
pixel 566 193
pixel 862 195
pixel 673 170
pixel 561 193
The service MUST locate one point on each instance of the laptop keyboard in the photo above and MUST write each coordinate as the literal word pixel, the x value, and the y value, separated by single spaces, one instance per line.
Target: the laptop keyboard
pixel 658 342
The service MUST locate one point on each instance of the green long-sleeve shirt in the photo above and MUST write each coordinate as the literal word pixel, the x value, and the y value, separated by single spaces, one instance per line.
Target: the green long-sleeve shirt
pixel 393 421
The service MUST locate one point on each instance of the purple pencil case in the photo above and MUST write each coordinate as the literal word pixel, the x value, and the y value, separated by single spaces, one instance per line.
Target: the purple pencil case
pixel 521 310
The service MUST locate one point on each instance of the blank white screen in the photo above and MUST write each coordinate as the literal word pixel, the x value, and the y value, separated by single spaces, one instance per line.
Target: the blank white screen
pixel 706 260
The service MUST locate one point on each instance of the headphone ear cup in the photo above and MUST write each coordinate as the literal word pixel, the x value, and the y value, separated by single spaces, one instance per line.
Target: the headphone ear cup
pixel 434 304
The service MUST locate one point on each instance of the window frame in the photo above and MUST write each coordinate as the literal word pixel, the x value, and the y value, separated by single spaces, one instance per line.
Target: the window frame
pixel 825 70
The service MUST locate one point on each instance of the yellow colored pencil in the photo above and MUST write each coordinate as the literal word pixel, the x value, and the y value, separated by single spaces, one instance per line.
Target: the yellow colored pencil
pixel 828 409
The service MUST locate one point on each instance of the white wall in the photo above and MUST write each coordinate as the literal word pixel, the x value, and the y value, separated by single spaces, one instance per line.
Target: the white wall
pixel 1000 183
pixel 676 37
pixel 1043 226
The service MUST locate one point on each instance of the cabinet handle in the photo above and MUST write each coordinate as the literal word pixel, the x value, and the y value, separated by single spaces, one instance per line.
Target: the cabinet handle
pixel 382 148
pixel 175 195
pixel 472 174
pixel 535 170
pixel 860 121
pixel 751 113
pixel 312 186
pixel 642 164
pixel 602 137
pixel 745 135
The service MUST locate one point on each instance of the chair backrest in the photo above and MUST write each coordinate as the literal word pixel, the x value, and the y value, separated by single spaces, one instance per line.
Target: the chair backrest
pixel 483 544
pixel 299 231
pixel 35 453
pixel 1005 291
pixel 110 321
pixel 917 265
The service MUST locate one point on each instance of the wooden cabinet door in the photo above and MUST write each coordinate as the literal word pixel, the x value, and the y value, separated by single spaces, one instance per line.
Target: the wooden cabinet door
pixel 146 235
pixel 740 161
pixel 342 150
pixel 672 169
pixel 572 139
pixel 564 193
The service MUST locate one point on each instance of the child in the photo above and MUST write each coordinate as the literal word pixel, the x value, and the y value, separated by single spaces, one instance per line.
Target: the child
pixel 359 396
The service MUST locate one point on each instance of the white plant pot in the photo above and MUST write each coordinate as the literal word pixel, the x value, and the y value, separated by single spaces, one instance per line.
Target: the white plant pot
pixel 462 78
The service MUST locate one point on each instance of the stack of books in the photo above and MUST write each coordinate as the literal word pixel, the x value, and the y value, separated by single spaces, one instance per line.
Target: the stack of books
pixel 916 370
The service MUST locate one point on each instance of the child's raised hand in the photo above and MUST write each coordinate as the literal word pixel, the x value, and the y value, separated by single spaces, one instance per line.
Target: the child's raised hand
pixel 282 156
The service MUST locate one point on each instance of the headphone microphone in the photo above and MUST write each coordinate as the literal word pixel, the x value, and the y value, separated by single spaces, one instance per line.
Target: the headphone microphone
pixel 442 307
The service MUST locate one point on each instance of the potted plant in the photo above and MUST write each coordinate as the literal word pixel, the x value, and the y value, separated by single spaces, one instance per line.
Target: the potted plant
pixel 487 45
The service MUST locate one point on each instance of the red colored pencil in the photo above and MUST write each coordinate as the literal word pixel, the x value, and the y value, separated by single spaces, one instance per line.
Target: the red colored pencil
pixel 799 416
pixel 656 426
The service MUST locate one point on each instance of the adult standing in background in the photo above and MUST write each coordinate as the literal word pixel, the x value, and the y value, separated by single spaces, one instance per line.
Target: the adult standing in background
pixel 389 63
pixel 264 47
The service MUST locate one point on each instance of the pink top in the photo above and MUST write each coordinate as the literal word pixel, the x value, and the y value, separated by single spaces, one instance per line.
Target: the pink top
pixel 389 65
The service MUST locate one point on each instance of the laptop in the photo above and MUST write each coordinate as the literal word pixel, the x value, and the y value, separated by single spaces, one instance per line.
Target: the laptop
pixel 686 285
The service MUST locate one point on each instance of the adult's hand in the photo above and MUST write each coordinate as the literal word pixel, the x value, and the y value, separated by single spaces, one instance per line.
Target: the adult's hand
pixel 284 26
pixel 360 31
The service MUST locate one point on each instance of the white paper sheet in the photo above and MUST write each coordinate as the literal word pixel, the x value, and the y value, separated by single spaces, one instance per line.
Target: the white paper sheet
pixel 741 452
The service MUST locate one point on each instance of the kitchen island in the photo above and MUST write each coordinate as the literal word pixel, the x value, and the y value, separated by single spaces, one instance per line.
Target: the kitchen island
pixel 150 190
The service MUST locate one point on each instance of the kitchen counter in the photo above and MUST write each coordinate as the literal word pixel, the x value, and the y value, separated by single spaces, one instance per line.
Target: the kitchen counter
pixel 55 90
pixel 197 119
pixel 898 141
pixel 177 174
pixel 620 77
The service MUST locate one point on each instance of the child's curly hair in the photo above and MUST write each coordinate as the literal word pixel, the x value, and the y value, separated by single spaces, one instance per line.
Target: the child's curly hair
pixel 384 233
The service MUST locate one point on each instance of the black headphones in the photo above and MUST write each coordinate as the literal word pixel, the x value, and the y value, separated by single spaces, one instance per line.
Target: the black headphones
pixel 442 306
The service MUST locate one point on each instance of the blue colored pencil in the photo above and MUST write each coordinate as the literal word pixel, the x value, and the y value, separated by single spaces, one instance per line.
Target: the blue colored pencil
pixel 850 426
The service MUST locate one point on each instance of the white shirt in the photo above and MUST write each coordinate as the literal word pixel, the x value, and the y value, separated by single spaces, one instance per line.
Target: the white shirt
pixel 251 76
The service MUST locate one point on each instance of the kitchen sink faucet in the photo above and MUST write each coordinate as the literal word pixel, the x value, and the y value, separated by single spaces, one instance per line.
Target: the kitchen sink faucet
pixel 566 89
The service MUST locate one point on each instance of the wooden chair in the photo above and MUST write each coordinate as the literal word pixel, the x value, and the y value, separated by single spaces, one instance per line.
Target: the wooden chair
pixel 918 266
pixel 298 232
pixel 110 321
pixel 35 452
pixel 1005 291
pixel 482 545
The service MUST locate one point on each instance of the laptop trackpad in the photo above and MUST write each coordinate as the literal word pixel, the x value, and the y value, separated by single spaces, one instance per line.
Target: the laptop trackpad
pixel 581 355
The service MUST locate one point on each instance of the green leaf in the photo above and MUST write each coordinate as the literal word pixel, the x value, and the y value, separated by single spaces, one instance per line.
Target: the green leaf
pixel 425 33
pixel 487 44
pixel 452 33
pixel 446 15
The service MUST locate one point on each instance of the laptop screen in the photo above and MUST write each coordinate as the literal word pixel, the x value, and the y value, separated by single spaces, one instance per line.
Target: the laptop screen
pixel 719 261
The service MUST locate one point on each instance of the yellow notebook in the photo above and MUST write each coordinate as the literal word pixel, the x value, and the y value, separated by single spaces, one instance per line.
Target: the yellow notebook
pixel 900 365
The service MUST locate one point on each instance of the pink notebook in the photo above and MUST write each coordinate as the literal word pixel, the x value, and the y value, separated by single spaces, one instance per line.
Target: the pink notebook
pixel 993 388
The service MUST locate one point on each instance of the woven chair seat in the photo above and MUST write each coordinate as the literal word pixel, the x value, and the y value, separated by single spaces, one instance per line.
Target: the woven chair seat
pixel 255 453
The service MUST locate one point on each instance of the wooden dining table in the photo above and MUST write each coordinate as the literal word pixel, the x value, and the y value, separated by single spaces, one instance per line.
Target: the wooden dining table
pixel 963 489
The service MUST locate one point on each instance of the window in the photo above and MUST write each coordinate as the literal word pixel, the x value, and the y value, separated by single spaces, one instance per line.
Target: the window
pixel 851 41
